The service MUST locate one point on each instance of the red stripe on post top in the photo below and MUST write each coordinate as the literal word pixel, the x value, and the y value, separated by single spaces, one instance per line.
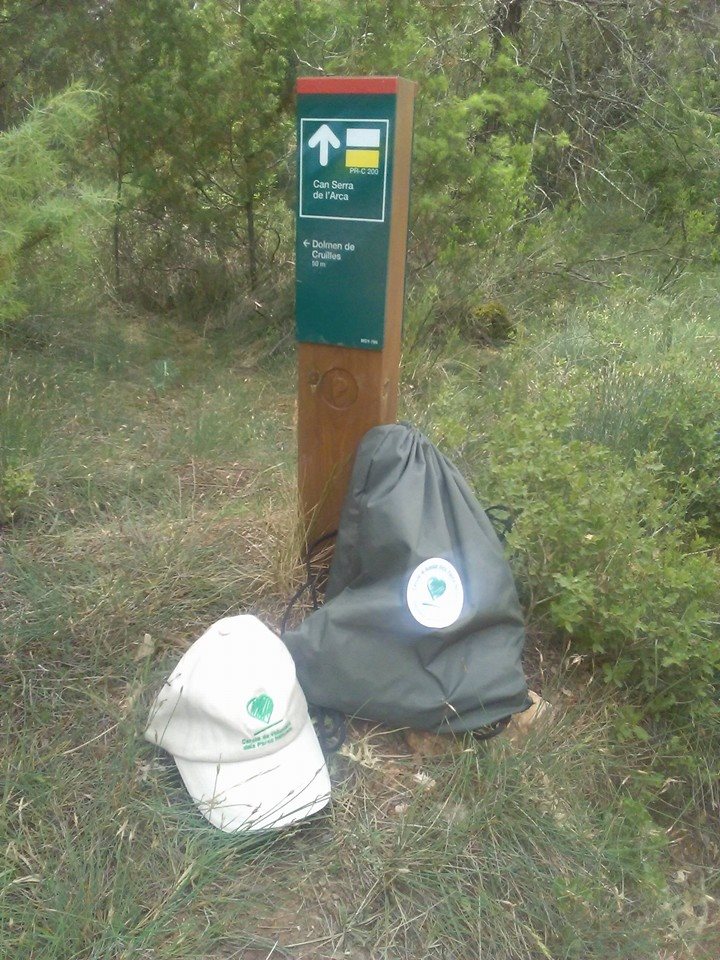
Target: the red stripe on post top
pixel 347 85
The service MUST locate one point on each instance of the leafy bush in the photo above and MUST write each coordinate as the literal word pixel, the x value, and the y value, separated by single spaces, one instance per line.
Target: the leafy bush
pixel 664 408
pixel 16 486
pixel 642 378
pixel 602 433
pixel 611 562
pixel 44 211
pixel 674 151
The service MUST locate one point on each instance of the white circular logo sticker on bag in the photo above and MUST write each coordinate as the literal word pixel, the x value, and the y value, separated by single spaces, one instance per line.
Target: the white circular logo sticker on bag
pixel 435 593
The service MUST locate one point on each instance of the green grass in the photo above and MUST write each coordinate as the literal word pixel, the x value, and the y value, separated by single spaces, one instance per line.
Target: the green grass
pixel 162 504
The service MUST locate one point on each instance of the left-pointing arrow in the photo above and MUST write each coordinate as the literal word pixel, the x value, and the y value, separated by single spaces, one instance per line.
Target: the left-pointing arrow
pixel 324 138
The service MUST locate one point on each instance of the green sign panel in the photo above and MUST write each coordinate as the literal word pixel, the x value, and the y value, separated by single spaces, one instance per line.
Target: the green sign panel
pixel 345 152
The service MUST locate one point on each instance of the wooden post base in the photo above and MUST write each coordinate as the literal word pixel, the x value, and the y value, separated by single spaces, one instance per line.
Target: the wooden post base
pixel 343 393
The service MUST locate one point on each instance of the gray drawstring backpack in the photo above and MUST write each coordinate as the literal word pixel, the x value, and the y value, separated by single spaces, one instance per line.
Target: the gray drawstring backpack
pixel 421 626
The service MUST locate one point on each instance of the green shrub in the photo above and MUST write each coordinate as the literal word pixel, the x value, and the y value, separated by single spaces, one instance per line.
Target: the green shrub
pixel 675 156
pixel 669 409
pixel 164 374
pixel 643 378
pixel 16 487
pixel 602 433
pixel 611 562
pixel 45 246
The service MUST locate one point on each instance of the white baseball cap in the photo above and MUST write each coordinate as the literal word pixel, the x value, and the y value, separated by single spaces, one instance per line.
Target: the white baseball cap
pixel 234 718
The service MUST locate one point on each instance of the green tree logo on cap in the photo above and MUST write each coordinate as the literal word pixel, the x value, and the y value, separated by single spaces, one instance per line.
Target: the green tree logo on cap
pixel 260 707
pixel 436 587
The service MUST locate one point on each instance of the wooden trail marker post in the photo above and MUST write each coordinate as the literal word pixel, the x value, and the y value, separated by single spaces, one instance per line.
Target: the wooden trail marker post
pixel 354 151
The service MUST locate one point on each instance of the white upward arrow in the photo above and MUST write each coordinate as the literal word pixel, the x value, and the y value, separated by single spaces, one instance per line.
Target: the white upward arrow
pixel 324 138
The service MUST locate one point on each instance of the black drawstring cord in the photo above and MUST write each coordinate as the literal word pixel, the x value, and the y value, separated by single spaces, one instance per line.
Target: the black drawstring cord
pixel 502 518
pixel 311 580
pixel 330 725
pixel 331 728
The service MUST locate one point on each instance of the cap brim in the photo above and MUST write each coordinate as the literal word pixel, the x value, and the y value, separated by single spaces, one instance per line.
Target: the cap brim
pixel 265 793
